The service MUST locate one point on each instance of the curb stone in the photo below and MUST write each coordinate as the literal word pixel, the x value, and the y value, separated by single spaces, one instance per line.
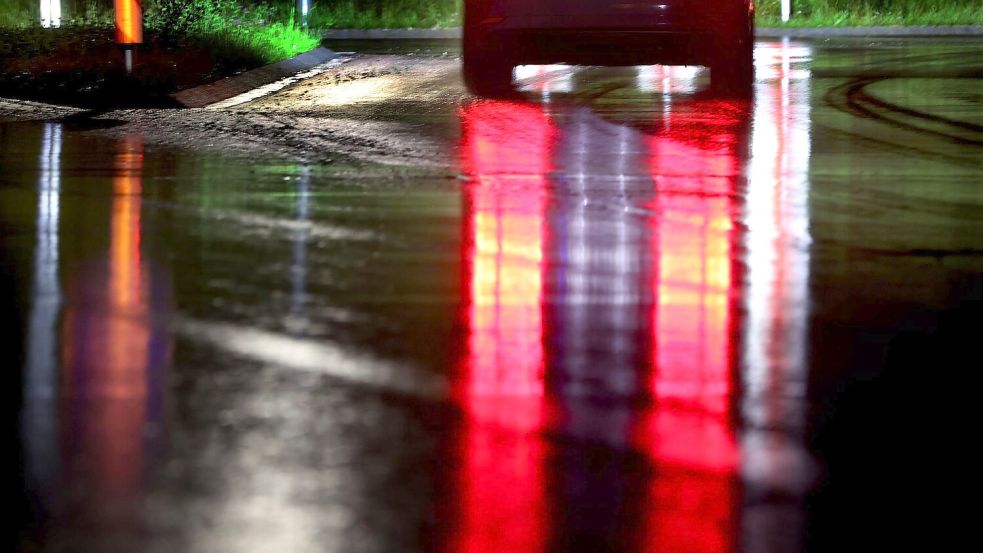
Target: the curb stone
pixel 207 94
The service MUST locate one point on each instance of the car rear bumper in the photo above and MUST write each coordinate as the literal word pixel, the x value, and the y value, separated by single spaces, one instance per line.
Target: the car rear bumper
pixel 677 21
pixel 593 46
pixel 604 32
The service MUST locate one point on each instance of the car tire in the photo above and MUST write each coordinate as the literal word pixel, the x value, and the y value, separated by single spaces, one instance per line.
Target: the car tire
pixel 732 63
pixel 486 73
pixel 486 67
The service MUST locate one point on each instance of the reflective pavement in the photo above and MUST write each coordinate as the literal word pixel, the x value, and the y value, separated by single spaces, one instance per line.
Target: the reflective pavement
pixel 630 316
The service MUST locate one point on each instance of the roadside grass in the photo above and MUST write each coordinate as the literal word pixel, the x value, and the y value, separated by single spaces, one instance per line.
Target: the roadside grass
pixel 385 14
pixel 233 24
pixel 854 13
pixel 233 33
pixel 394 14
pixel 186 43
pixel 230 29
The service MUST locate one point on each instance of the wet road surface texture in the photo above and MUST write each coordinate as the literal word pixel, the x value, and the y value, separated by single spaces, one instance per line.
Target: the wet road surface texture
pixel 371 313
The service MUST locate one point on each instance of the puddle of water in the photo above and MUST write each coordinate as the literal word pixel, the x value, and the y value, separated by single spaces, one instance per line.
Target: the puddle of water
pixel 618 331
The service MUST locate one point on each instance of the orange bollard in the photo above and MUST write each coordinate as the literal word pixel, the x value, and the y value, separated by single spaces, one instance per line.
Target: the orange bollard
pixel 129 22
pixel 129 28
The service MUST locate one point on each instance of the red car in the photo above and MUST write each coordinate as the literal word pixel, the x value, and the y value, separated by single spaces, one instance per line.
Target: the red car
pixel 500 34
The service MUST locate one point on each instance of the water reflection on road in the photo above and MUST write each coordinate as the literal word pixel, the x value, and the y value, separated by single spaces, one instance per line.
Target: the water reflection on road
pixel 41 364
pixel 98 349
pixel 607 304
pixel 602 336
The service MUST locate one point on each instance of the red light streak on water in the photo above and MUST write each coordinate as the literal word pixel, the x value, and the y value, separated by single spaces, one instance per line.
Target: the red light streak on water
pixel 502 492
pixel 686 433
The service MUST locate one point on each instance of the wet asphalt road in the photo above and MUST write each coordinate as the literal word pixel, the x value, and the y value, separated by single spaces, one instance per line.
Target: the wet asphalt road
pixel 371 313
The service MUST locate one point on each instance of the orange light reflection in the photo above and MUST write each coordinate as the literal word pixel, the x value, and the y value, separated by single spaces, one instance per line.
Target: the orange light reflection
pixel 107 345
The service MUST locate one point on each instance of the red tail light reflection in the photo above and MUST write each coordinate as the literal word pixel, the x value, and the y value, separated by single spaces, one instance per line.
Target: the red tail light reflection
pixel 694 281
pixel 689 434
pixel 681 421
pixel 502 387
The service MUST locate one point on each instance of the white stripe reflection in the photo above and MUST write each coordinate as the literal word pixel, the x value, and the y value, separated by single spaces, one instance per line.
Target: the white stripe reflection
pixel 777 245
pixel 311 355
pixel 41 367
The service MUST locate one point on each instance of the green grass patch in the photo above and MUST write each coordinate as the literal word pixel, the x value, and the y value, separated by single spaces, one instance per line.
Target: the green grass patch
pixel 395 14
pixel 385 14
pixel 862 13
pixel 229 20
pixel 186 43
pixel 231 29
pixel 235 31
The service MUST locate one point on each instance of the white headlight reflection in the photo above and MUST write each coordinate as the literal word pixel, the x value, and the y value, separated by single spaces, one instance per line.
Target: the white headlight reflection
pixel 309 355
pixel 670 79
pixel 545 79
pixel 373 89
pixel 777 245
pixel 41 363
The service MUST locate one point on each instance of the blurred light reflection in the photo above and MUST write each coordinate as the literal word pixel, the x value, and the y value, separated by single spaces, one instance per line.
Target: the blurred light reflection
pixel 777 245
pixel 608 303
pixel 503 384
pixel 41 365
pixel 544 79
pixel 695 162
pixel 694 285
pixel 114 346
pixel 298 269
pixel 575 274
